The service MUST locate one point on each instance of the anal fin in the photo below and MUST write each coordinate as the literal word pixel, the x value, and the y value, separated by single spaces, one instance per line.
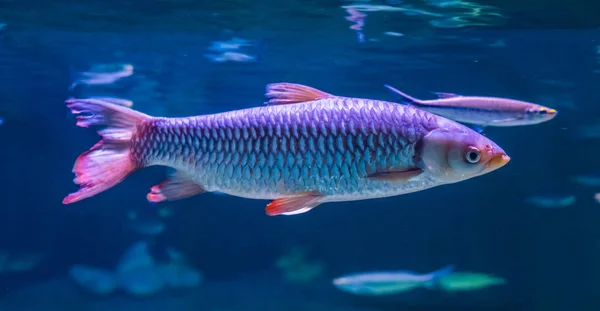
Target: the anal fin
pixel 290 93
pixel 402 175
pixel 178 186
pixel 294 205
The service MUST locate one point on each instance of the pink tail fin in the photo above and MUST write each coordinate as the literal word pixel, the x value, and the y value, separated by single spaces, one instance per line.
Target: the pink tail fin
pixel 109 161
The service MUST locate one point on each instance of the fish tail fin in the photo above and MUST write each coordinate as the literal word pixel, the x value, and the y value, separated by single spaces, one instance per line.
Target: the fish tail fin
pixel 435 276
pixel 110 160
pixel 407 99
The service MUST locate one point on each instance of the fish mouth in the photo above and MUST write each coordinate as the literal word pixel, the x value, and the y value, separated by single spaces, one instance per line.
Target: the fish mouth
pixel 498 161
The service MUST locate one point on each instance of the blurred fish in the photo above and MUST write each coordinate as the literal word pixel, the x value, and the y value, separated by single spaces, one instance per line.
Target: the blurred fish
pixel 482 111
pixel 231 57
pixel 597 197
pixel 552 201
pixel 103 74
pixel 304 148
pixel 118 101
pixel 468 281
pixel 1 121
pixel 393 34
pixel 388 283
pixel 592 179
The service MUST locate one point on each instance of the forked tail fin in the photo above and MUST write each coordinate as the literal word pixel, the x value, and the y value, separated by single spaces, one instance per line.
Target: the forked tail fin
pixel 109 161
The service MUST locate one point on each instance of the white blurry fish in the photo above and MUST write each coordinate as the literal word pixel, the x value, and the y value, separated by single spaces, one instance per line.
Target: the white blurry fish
pixel 552 201
pixel 231 57
pixel 591 179
pixel 468 281
pixel 137 273
pixel 482 111
pixel 597 197
pixel 103 74
pixel 388 282
pixel 118 101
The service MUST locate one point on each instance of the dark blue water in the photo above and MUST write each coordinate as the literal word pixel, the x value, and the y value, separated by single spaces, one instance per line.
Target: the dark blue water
pixel 549 257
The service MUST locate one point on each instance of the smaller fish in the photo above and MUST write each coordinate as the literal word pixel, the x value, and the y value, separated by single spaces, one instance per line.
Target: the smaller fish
pixel 103 74
pixel 233 57
pixel 1 121
pixel 552 201
pixel 393 34
pixel 481 111
pixel 118 101
pixel 468 281
pixel 591 179
pixel 388 282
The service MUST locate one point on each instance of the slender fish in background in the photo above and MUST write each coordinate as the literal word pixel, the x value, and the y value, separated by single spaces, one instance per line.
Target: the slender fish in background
pixel 304 148
pixel 389 282
pixel 482 111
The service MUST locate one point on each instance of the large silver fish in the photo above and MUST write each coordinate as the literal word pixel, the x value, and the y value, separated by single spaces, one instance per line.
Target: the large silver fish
pixel 304 148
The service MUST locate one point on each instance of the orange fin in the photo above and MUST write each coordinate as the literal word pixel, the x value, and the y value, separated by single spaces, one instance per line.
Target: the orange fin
pixel 397 175
pixel 178 186
pixel 109 161
pixel 299 204
pixel 290 93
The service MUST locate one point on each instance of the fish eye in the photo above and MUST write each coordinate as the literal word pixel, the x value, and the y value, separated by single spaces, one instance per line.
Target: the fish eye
pixel 543 111
pixel 473 156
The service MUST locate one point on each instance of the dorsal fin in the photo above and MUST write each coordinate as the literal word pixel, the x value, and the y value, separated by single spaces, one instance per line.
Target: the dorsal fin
pixel 446 95
pixel 290 93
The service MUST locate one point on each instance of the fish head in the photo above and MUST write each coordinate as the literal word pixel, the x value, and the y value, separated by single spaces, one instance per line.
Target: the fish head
pixel 539 114
pixel 453 154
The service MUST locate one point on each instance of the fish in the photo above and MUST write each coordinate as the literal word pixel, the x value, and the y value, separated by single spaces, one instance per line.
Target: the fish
pixel 303 148
pixel 102 74
pixel 119 101
pixel 389 282
pixel 590 179
pixel 468 281
pixel 481 111
pixel 552 200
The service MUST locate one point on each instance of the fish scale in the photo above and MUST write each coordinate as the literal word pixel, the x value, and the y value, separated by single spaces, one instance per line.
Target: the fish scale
pixel 327 146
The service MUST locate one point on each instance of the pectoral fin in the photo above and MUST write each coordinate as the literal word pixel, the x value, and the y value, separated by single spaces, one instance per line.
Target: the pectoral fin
pixel 298 204
pixel 178 186
pixel 396 175
pixel 290 93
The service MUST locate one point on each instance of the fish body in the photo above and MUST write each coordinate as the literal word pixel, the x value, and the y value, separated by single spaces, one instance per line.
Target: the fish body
pixel 483 111
pixel 388 282
pixel 306 147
